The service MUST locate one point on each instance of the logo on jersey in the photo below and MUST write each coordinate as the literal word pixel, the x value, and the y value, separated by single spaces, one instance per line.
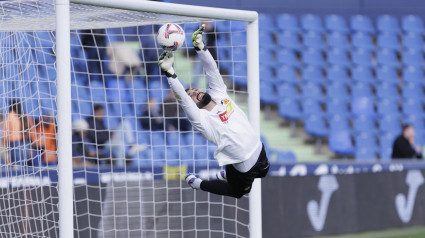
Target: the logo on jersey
pixel 224 116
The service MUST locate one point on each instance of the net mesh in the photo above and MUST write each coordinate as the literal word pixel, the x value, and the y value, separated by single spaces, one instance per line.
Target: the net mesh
pixel 132 144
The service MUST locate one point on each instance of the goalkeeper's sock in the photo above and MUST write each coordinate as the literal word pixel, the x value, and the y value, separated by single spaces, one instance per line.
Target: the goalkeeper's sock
pixel 193 181
pixel 221 175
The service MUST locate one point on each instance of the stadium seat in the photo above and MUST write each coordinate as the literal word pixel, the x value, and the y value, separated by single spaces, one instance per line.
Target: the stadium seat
pixel 338 122
pixel 388 58
pixel 98 92
pixel 172 155
pixel 413 57
pixel 412 106
pixel 289 108
pixel 288 39
pixel 361 23
pixel 187 154
pixel 266 22
pixel 361 90
pixel 287 22
pixel 287 74
pixel 337 74
pixel 362 107
pixel 287 90
pixel 313 57
pixel 338 57
pixel 362 40
pixel 413 74
pixel 315 125
pixel 285 156
pixel 239 73
pixel 387 23
pixel 387 91
pixel 364 125
pixel 362 57
pixel 158 138
pixel 312 90
pixel 311 107
pixel 238 38
pixel 365 139
pixel 362 74
pixel 412 23
pixel 266 39
pixel 313 74
pixel 390 123
pixel 310 22
pixel 172 138
pixel 386 141
pixel 417 121
pixel 385 74
pixel 336 23
pixel 413 91
pixel 336 106
pixel 387 107
pixel 313 39
pixel 267 74
pixel 412 40
pixel 239 54
pixel 389 40
pixel 267 57
pixel 267 93
pixel 236 26
pixel 287 57
pixel 340 142
pixel 337 90
pixel 366 153
pixel 338 40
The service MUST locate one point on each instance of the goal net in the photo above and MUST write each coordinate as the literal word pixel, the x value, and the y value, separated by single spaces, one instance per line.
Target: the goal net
pixel 131 144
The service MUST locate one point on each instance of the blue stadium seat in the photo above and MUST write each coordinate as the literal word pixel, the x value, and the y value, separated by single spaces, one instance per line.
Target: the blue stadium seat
pixel 267 74
pixel 266 22
pixel 311 106
pixel 386 141
pixel 312 90
pixel 310 22
pixel 360 90
pixel 266 40
pixel 285 156
pixel 417 121
pixel 98 92
pixel 387 23
pixel 336 106
pixel 239 54
pixel 385 74
pixel 389 40
pixel 158 155
pixel 361 23
pixel 388 58
pixel 387 90
pixel 412 23
pixel 340 142
pixel 172 138
pixel 412 40
pixel 158 138
pixel 172 155
pixel 236 26
pixel 364 124
pixel 365 139
pixel 366 153
pixel 336 23
pixel 338 122
pixel 240 74
pixel 362 107
pixel 338 40
pixel 390 123
pixel 287 90
pixel 338 57
pixel 413 74
pixel 315 125
pixel 387 107
pixel 287 22
pixel 337 90
pixel 362 74
pixel 287 57
pixel 313 39
pixel 267 57
pixel 362 40
pixel 187 154
pixel 313 74
pixel 289 108
pixel 267 93
pixel 412 91
pixel 413 57
pixel 287 74
pixel 288 39
pixel 337 74
pixel 412 106
pixel 238 38
pixel 362 57
pixel 314 57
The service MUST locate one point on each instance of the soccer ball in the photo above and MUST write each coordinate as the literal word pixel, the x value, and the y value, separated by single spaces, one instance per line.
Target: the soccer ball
pixel 170 36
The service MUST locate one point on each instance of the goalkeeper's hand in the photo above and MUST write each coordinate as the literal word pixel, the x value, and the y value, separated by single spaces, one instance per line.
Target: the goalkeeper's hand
pixel 197 41
pixel 165 61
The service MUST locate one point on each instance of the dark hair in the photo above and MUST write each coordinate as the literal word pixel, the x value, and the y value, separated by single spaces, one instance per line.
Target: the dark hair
pixel 405 126
pixel 98 107
pixel 15 106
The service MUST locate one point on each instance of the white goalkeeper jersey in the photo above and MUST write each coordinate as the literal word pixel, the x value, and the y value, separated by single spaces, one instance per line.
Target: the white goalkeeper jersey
pixel 226 125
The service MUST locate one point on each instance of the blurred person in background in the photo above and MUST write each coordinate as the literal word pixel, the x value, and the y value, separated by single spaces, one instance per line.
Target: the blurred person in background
pixel 82 153
pixel 94 44
pixel 44 139
pixel 152 118
pixel 404 146
pixel 175 118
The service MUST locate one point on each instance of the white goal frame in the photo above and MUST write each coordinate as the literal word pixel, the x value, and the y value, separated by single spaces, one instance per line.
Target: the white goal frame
pixel 64 89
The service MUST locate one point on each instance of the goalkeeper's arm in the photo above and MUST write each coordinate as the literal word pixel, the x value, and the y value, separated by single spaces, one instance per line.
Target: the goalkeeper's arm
pixel 165 61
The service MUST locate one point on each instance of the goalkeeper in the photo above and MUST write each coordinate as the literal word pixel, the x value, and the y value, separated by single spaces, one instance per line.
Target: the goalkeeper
pixel 222 122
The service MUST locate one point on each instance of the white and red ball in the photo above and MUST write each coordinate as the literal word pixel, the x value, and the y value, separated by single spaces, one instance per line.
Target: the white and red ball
pixel 170 36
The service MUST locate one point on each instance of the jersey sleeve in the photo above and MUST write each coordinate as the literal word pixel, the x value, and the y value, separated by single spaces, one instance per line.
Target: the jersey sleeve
pixel 215 81
pixel 188 105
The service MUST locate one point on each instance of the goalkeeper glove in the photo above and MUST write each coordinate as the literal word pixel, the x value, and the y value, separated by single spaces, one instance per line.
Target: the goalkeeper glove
pixel 197 41
pixel 165 61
